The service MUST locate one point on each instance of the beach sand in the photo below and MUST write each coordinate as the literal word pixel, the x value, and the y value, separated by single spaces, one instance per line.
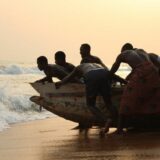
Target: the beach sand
pixel 54 139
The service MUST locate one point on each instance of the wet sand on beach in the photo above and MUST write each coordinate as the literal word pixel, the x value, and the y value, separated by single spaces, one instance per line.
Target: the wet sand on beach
pixel 54 139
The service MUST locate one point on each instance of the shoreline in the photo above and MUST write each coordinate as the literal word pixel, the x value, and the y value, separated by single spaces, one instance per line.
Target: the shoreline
pixel 53 138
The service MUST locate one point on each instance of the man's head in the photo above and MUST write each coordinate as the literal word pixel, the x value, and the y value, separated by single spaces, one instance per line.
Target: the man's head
pixel 127 46
pixel 42 62
pixel 60 58
pixel 85 50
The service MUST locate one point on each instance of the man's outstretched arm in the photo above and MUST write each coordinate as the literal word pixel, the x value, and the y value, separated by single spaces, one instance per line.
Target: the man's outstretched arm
pixel 68 78
pixel 116 65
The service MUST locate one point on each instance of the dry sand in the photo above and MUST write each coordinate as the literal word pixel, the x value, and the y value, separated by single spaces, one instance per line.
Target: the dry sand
pixel 53 139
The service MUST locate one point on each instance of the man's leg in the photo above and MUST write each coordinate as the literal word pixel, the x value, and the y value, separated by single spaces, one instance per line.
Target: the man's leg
pixel 105 92
pixel 92 88
pixel 91 103
pixel 120 124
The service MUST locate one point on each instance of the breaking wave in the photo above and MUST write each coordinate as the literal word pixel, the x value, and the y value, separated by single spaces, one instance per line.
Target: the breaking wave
pixel 17 69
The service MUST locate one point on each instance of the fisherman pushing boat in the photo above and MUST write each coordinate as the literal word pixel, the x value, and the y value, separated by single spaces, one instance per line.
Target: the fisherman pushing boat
pixel 142 92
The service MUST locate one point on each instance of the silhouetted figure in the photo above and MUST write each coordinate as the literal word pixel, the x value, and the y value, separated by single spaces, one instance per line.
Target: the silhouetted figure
pixel 85 51
pixel 60 59
pixel 50 70
pixel 97 82
pixel 139 93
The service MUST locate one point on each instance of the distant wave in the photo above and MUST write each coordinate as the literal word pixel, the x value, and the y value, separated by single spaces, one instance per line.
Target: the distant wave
pixel 16 69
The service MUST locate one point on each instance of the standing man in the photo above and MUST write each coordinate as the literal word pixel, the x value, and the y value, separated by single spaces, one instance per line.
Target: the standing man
pixel 142 84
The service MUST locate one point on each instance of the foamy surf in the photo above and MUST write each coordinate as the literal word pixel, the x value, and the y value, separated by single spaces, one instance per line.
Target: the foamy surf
pixel 15 92
pixel 17 69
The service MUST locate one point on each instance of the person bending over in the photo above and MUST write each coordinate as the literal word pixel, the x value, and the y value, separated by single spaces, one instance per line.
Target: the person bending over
pixel 50 70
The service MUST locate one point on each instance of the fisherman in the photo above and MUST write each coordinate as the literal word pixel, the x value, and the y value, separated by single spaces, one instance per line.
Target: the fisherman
pixel 142 85
pixel 85 51
pixel 60 59
pixel 97 82
pixel 50 70
pixel 87 57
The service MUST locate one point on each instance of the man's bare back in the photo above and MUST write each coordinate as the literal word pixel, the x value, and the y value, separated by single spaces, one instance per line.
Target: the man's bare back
pixel 134 57
pixel 86 67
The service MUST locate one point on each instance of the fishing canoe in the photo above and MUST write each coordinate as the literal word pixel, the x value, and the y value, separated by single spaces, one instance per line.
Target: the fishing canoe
pixel 69 101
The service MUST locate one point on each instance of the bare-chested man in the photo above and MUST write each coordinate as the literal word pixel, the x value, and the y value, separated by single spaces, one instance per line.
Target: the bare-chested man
pixel 50 70
pixel 97 82
pixel 140 86
pixel 60 59
pixel 85 51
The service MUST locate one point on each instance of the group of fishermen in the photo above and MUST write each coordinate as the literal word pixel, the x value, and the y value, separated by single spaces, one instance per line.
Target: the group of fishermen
pixel 140 85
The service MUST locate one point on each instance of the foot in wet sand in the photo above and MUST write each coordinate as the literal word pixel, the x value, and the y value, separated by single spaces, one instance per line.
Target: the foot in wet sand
pixel 105 130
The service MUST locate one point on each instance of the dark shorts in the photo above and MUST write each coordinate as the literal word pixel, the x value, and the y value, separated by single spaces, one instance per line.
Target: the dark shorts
pixel 98 83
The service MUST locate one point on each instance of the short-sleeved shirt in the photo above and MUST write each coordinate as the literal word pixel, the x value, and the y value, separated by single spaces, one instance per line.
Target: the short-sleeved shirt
pixel 55 71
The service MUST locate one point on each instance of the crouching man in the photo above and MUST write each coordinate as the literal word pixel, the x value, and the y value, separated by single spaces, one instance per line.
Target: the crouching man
pixel 97 81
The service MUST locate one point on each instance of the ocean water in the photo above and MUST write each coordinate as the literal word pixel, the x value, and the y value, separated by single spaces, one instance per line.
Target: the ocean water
pixel 15 92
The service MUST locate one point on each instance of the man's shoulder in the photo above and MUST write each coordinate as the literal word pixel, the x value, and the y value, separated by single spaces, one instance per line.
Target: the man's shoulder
pixel 95 58
pixel 52 66
pixel 70 64
pixel 91 59
pixel 55 67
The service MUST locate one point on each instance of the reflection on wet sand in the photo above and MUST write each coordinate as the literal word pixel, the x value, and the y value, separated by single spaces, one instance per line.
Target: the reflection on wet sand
pixel 53 139
pixel 130 146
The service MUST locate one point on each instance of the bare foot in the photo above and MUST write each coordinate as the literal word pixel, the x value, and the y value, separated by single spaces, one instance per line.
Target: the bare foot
pixel 105 130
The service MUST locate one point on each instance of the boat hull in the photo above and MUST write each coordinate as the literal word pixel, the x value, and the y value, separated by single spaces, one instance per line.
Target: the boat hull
pixel 69 102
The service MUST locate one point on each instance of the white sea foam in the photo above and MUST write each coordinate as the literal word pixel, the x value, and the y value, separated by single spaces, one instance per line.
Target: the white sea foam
pixel 17 108
pixel 15 92
pixel 18 69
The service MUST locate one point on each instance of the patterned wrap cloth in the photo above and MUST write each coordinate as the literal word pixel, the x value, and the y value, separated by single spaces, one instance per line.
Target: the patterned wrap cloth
pixel 141 95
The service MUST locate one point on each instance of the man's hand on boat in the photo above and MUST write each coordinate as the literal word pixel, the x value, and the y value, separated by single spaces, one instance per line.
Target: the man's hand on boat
pixel 45 79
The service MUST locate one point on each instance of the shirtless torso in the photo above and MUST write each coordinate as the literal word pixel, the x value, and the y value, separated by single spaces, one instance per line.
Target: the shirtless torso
pixel 86 67
pixel 132 57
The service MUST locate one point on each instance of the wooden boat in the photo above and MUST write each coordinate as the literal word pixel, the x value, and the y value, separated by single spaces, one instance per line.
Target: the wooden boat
pixel 69 101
